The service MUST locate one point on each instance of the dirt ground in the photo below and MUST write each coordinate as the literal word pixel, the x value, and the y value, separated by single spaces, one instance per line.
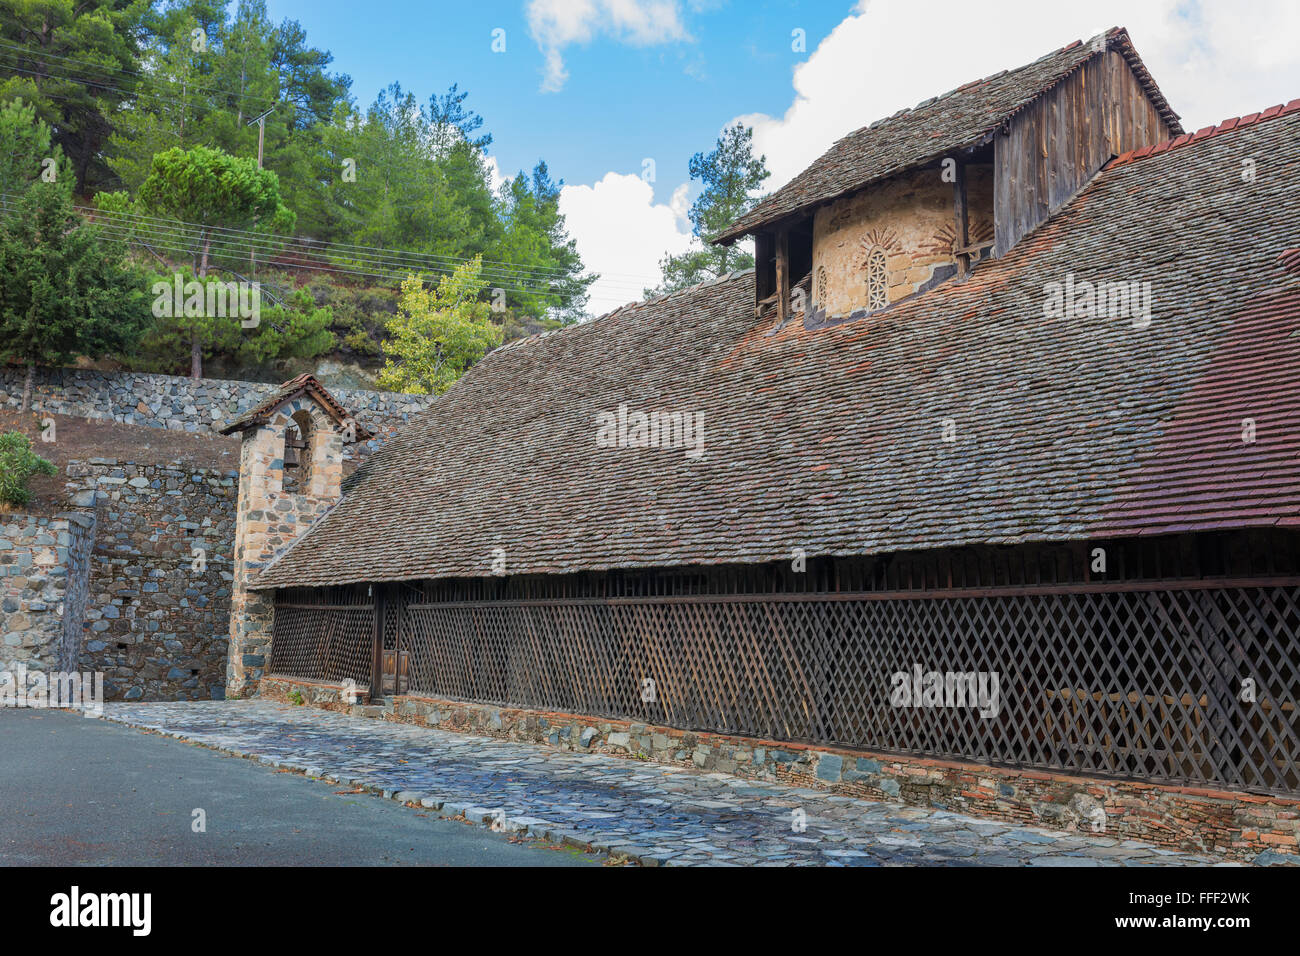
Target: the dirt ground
pixel 77 439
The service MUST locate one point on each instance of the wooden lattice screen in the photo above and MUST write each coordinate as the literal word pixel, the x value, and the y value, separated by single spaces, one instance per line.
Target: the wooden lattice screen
pixel 325 635
pixel 1182 681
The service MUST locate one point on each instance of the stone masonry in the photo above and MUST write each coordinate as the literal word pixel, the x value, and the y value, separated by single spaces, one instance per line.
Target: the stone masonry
pixel 910 219
pixel 649 812
pixel 1249 827
pixel 44 565
pixel 182 404
pixel 269 519
pixel 157 623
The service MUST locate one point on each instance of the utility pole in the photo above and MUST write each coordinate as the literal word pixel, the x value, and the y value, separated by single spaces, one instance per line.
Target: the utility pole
pixel 261 138
pixel 261 132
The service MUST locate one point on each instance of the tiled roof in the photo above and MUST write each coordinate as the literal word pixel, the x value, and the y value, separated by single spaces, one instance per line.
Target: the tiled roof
pixel 1226 126
pixel 962 117
pixel 830 440
pixel 303 384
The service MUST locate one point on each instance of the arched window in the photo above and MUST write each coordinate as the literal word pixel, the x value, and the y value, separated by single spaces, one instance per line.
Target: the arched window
pixel 877 279
pixel 821 286
pixel 298 454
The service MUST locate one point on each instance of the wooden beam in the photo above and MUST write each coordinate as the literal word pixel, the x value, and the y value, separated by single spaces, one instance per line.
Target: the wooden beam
pixel 764 280
pixel 782 274
pixel 961 218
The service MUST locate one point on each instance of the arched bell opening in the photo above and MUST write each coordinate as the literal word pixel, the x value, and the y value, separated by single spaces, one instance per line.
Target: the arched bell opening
pixel 299 453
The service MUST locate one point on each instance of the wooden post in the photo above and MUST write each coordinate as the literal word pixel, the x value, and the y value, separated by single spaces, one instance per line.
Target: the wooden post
pixel 961 218
pixel 782 274
pixel 399 598
pixel 377 661
pixel 764 283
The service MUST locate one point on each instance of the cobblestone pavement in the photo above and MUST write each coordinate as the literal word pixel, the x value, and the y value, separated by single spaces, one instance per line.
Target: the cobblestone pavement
pixel 654 813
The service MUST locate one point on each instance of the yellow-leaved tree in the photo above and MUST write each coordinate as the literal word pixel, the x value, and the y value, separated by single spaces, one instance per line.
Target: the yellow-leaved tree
pixel 438 332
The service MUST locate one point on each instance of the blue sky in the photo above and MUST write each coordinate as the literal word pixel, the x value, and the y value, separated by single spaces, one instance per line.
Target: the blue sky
pixel 621 104
pixel 595 87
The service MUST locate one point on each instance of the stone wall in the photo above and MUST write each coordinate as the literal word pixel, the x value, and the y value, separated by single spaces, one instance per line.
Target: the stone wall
pixel 1241 826
pixel 910 219
pixel 182 404
pixel 158 616
pixel 270 518
pixel 44 564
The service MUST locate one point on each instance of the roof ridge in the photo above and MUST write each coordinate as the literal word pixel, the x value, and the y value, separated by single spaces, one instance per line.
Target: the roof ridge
pixel 625 307
pixel 814 184
pixel 971 84
pixel 1207 132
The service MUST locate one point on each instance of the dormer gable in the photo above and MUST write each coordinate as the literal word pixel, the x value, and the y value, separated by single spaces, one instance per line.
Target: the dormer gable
pixel 920 198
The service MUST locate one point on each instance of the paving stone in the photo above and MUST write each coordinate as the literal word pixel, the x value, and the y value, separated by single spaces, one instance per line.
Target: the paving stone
pixel 657 815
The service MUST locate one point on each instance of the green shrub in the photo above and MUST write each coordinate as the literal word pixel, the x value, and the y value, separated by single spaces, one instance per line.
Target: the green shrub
pixel 17 465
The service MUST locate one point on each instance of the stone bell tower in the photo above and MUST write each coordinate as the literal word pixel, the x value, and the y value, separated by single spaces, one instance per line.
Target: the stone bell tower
pixel 290 473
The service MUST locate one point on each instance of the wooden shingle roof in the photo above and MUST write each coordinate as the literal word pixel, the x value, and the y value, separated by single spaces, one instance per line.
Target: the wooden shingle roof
pixel 962 117
pixel 831 440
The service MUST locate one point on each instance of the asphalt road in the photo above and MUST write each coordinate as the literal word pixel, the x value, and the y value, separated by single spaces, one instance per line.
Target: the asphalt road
pixel 79 791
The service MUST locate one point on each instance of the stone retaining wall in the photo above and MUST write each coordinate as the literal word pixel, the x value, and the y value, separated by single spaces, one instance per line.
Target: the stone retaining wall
pixel 44 564
pixel 158 617
pixel 1240 826
pixel 182 404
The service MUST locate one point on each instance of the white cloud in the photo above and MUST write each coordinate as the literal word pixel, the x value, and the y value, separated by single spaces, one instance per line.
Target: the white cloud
pixel 1212 61
pixel 680 203
pixel 556 24
pixel 495 179
pixel 622 233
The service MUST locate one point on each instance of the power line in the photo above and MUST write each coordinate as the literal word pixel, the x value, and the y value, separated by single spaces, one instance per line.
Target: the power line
pixel 127 235
pixel 183 251
pixel 184 237
pixel 181 248
pixel 375 272
pixel 348 251
pixel 222 245
pixel 111 89
pixel 337 270
pixel 121 71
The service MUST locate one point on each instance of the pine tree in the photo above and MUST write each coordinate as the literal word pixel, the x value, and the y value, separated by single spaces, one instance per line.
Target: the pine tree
pixel 731 176
pixel 210 189
pixel 64 292
pixel 77 62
